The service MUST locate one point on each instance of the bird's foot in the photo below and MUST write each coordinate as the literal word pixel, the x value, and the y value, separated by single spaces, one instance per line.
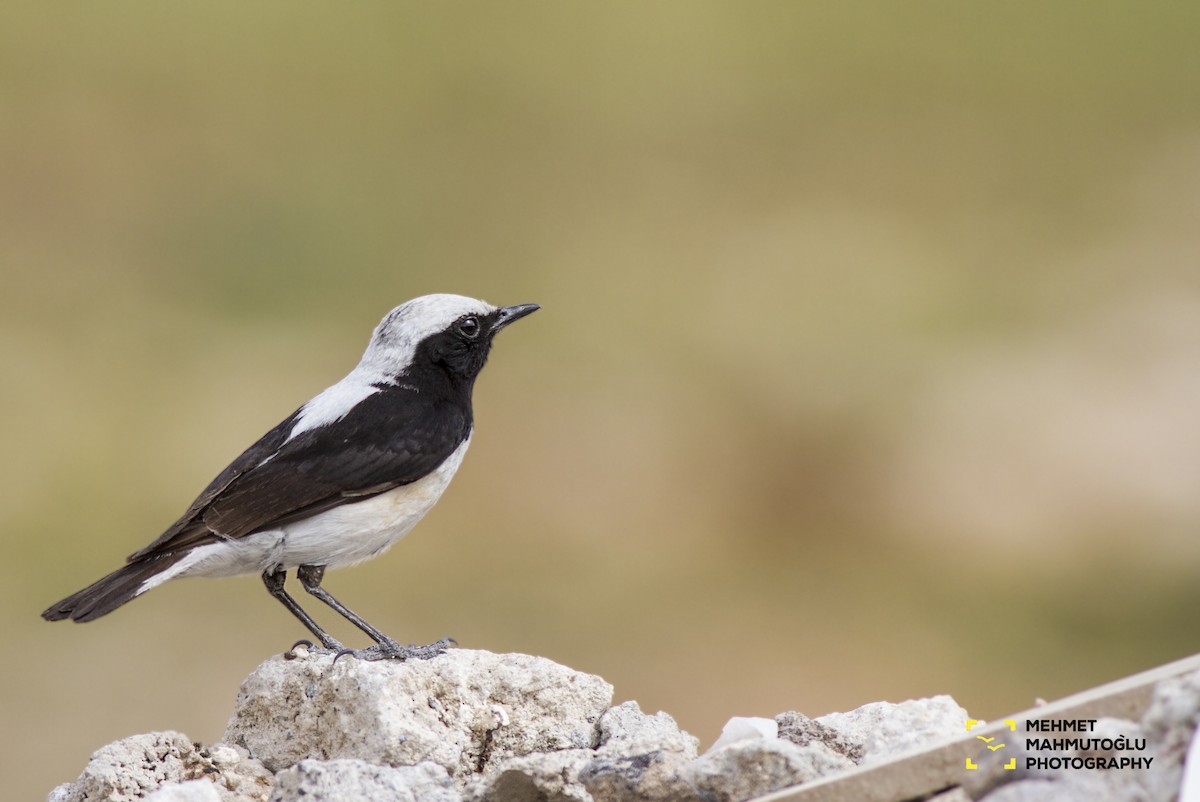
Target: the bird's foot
pixel 392 650
pixel 304 647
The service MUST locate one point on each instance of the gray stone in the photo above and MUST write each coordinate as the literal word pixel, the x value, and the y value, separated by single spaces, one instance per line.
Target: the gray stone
pixel 235 774
pixel 135 767
pixel 462 710
pixel 131 768
pixel 883 729
pixel 546 777
pixel 656 776
pixel 481 727
pixel 1169 725
pixel 751 768
pixel 190 791
pixel 952 795
pixel 641 756
pixel 1172 717
pixel 359 781
pixel 1031 790
pixel 638 756
pixel 745 728
pixel 626 731
pixel 802 730
pixel 1084 787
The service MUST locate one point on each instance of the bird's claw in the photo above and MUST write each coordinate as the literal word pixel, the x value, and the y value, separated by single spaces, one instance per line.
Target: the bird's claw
pixel 332 647
pixel 392 650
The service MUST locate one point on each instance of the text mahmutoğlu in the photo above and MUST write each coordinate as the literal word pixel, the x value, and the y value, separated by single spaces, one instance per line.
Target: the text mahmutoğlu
pixel 1081 744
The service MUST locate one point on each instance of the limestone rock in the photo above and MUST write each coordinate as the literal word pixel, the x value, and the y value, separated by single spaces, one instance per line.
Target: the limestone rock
pixel 641 757
pixel 1172 718
pixel 626 731
pixel 134 767
pixel 638 757
pixel 546 777
pixel 358 781
pixel 190 791
pixel 462 710
pixel 656 776
pixel 471 726
pixel 131 768
pixel 745 728
pixel 951 795
pixel 802 731
pixel 883 730
pixel 750 768
pixel 234 774
pixel 1085 787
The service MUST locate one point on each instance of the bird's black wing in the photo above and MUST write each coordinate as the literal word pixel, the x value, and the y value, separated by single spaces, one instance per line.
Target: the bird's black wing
pixel 391 438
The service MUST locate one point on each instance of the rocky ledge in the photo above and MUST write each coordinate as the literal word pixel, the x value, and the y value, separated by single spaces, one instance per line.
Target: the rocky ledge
pixel 471 725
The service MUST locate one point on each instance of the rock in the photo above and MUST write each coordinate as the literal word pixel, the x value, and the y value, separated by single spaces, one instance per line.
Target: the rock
pixel 547 777
pixel 359 781
pixel 656 776
pixel 1168 725
pixel 638 756
pixel 1172 717
pixel 462 710
pixel 751 768
pixel 471 726
pixel 750 759
pixel 1081 788
pixel 802 730
pixel 190 791
pixel 139 765
pixel 882 729
pixel 742 728
pixel 626 731
pixel 131 768
pixel 1033 790
pixel 234 773
pixel 952 795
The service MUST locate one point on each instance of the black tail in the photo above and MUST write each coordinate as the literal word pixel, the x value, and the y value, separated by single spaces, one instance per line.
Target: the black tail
pixel 109 593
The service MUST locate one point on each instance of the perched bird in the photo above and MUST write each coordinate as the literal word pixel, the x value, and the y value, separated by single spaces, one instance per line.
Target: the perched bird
pixel 339 480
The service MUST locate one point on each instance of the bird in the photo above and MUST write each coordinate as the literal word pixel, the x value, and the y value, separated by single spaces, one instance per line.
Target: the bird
pixel 339 480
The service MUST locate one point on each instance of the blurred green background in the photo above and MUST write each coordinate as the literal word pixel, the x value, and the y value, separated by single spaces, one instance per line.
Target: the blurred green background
pixel 868 366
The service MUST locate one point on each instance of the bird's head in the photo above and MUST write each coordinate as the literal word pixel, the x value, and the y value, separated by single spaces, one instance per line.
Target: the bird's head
pixel 450 333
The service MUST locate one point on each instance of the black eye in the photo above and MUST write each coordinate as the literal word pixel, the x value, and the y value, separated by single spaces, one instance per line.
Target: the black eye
pixel 469 326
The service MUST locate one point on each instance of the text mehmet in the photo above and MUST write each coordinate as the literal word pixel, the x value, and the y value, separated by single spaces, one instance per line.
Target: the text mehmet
pixel 1118 744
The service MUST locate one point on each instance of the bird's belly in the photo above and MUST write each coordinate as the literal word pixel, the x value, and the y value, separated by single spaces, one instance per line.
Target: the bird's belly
pixel 353 532
pixel 350 533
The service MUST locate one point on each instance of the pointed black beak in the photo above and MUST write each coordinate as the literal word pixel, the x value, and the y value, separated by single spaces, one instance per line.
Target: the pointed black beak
pixel 510 314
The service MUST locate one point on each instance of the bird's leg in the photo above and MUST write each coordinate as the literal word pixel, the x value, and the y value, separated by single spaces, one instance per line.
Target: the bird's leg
pixel 274 580
pixel 310 577
pixel 385 648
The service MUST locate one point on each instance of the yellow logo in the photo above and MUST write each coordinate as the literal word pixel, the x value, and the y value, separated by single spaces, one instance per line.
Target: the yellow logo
pixel 1012 726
